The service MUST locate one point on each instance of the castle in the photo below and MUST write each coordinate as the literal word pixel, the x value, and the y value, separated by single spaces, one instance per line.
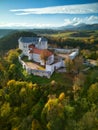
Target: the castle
pixel 36 49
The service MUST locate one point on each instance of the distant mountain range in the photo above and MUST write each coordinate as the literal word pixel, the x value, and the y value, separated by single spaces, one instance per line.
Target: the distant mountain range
pixel 4 32
pixel 80 27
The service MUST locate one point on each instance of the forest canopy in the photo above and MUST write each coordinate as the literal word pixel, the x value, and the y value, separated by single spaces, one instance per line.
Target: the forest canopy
pixel 67 101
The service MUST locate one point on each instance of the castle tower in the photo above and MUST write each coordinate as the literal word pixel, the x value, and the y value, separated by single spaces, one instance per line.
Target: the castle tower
pixel 42 44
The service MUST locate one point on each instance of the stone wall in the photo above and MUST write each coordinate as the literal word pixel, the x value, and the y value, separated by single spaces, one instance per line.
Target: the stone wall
pixel 58 50
pixel 55 66
pixel 40 73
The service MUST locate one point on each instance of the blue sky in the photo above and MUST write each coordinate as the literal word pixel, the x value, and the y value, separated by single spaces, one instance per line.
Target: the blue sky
pixel 47 13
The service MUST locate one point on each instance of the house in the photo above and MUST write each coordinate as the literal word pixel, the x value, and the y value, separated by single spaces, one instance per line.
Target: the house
pixel 34 47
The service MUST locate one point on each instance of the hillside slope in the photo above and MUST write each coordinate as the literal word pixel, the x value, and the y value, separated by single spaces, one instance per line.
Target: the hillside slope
pixel 11 41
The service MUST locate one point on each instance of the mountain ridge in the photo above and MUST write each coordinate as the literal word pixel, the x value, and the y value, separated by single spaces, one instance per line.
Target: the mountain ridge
pixel 80 27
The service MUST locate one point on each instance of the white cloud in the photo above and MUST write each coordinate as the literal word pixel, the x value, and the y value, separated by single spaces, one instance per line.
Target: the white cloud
pixel 66 9
pixel 26 25
pixel 75 21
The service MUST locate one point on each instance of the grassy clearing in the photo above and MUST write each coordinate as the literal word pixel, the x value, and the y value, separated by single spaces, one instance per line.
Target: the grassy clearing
pixel 62 34
pixel 61 78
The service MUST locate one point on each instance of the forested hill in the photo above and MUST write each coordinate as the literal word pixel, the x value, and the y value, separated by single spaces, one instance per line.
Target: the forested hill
pixel 66 101
pixel 5 32
pixel 11 41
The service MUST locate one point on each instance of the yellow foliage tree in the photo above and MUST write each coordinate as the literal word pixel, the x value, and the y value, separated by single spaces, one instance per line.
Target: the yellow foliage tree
pixel 61 96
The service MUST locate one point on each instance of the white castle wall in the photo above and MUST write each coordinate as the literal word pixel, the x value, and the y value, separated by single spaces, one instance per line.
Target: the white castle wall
pixel 24 47
pixel 50 60
pixel 41 73
pixel 55 66
pixel 58 50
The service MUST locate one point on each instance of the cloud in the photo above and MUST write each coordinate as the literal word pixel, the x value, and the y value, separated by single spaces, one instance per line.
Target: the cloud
pixel 76 20
pixel 26 25
pixel 66 9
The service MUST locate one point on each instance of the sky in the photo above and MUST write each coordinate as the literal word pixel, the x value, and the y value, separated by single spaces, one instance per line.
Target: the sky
pixel 47 13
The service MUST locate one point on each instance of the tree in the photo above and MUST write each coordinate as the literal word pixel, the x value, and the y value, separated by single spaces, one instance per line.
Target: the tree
pixel 75 91
pixel 61 96
pixel 89 121
pixel 79 79
pixel 3 72
pixel 44 55
pixel 78 84
pixel 12 56
pixel 5 110
pixel 93 93
pixel 86 53
pixel 12 72
pixel 53 114
pixel 78 62
pixel 35 125
pixel 69 64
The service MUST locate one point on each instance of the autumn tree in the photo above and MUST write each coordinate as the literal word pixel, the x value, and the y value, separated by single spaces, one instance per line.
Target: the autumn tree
pixel 5 111
pixel 78 63
pixel 93 93
pixel 69 64
pixel 53 114
pixel 36 125
pixel 78 83
pixel 12 56
pixel 86 53
pixel 61 96
pixel 79 79
pixel 44 55
pixel 4 65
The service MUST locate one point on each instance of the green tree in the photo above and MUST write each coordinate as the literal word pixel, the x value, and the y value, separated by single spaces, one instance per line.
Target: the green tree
pixel 89 121
pixel 12 72
pixel 93 93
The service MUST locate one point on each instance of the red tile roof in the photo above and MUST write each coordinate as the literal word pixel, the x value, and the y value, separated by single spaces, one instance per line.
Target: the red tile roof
pixel 39 51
